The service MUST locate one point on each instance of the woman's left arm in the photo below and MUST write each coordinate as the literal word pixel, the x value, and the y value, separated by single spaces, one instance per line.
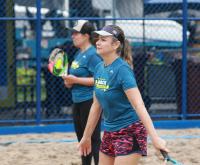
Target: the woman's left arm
pixel 136 101
pixel 86 81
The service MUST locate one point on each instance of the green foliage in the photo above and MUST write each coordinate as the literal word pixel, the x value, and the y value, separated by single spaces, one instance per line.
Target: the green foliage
pixel 25 76
pixel 156 61
pixel 26 82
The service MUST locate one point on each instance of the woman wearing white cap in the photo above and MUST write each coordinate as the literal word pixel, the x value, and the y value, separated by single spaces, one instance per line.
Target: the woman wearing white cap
pixel 81 81
pixel 126 119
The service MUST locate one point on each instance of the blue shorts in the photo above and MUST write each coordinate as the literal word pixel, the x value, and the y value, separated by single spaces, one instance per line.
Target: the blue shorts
pixel 129 140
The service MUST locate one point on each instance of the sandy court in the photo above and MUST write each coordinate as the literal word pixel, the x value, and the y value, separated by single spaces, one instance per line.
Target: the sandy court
pixel 60 148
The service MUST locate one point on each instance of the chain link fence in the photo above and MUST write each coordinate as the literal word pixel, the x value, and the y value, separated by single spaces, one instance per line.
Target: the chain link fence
pixel 165 39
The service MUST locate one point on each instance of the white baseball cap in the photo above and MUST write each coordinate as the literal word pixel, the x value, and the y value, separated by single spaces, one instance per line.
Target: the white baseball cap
pixel 84 27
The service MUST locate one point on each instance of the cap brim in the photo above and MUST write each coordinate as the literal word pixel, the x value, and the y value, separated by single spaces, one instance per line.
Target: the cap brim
pixel 103 33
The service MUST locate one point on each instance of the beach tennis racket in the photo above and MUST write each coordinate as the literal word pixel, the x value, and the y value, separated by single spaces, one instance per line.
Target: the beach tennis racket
pixel 168 160
pixel 58 63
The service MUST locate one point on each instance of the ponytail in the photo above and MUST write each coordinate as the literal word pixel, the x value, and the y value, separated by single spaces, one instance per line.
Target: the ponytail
pixel 125 52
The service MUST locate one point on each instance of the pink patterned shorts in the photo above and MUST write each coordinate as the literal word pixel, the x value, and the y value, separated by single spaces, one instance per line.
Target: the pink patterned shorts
pixel 129 140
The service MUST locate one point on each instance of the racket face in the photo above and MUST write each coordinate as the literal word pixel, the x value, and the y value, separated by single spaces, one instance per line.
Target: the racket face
pixel 58 62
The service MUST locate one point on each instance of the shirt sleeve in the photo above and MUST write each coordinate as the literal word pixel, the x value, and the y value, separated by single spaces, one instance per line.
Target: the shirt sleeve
pixel 126 77
pixel 94 60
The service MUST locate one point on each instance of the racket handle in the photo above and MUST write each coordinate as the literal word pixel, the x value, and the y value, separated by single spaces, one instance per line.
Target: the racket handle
pixel 165 155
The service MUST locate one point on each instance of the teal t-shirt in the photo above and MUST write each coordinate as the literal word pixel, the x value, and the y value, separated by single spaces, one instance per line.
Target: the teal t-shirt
pixel 83 66
pixel 111 82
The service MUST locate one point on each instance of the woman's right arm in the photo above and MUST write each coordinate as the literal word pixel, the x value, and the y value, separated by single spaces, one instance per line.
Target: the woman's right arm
pixel 94 115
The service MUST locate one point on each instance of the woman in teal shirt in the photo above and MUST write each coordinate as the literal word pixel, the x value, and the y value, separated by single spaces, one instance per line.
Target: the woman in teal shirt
pixel 126 119
pixel 81 82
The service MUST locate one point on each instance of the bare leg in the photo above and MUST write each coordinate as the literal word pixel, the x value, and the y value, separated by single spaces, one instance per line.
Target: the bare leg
pixel 105 159
pixel 132 159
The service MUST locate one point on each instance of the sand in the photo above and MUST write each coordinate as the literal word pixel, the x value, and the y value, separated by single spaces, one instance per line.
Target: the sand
pixel 60 148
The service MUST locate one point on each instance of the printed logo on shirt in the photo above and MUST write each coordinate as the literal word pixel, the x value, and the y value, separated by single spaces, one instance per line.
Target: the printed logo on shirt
pixel 101 83
pixel 75 65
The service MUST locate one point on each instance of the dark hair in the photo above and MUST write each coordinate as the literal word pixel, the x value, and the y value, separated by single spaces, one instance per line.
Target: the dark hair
pixel 124 49
pixel 88 28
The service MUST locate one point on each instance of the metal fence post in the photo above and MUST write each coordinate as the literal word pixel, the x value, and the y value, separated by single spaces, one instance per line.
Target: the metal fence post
pixel 184 61
pixel 38 60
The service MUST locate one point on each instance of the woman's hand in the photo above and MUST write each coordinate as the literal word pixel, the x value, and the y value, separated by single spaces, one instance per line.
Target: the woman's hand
pixel 160 144
pixel 84 146
pixel 71 79
pixel 67 83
